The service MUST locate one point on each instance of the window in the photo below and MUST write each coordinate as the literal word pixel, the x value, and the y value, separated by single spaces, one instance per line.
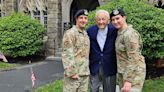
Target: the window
pixel 36 9
pixel 2 7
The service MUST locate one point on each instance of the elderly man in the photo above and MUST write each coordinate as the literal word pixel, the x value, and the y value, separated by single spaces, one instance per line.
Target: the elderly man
pixel 75 55
pixel 102 57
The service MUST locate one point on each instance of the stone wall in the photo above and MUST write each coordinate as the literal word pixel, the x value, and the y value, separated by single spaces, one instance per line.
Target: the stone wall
pixel 9 6
pixel 54 26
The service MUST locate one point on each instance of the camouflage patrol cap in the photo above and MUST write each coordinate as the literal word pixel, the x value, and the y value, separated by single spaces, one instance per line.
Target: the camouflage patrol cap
pixel 117 12
pixel 81 12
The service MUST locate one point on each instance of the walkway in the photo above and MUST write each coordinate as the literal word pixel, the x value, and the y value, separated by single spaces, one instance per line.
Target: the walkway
pixel 19 79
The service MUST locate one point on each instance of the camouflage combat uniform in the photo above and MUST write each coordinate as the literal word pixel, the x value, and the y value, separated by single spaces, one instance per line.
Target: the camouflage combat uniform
pixel 75 58
pixel 130 62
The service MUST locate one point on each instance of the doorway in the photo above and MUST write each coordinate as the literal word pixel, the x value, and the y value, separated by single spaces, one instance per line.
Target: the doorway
pixel 82 4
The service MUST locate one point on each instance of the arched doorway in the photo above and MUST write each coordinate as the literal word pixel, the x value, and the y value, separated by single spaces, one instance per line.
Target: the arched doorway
pixel 69 7
pixel 82 4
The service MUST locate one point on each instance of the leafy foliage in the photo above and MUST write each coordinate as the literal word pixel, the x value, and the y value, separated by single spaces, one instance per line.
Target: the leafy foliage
pixel 146 19
pixel 20 35
pixel 4 66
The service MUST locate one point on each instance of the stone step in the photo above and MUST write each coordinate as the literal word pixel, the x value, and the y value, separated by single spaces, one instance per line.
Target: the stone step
pixel 58 50
pixel 53 58
pixel 58 54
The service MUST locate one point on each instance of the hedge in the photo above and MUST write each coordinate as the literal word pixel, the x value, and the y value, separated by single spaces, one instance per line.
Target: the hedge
pixel 20 35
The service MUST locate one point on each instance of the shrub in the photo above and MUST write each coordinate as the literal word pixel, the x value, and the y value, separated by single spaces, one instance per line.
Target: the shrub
pixel 146 19
pixel 20 35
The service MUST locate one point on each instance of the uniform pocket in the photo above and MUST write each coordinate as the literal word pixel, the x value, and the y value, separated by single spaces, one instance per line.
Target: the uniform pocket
pixel 121 47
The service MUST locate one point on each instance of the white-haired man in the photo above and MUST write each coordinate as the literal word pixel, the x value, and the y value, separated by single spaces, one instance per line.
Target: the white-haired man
pixel 103 67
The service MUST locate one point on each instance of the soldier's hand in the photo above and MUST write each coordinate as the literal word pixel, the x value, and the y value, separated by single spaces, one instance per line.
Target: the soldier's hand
pixel 76 77
pixel 126 87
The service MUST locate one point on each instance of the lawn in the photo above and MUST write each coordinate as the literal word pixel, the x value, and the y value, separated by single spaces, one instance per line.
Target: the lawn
pixel 52 87
pixel 154 85
pixel 151 85
pixel 4 66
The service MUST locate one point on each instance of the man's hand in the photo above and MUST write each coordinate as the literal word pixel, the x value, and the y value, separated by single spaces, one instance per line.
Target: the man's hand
pixel 126 87
pixel 75 77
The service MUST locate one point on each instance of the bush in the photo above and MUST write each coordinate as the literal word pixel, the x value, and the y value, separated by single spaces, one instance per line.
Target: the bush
pixel 20 35
pixel 146 19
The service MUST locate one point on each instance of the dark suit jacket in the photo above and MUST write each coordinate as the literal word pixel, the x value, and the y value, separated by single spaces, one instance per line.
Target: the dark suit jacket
pixel 107 57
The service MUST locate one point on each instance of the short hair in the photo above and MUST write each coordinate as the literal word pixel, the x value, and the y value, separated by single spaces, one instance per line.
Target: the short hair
pixel 102 11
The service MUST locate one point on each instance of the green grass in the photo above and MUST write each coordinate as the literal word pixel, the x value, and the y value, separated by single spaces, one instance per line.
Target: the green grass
pixel 4 65
pixel 152 85
pixel 52 87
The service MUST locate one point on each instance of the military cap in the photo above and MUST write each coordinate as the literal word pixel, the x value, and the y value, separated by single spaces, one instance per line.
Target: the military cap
pixel 81 12
pixel 117 12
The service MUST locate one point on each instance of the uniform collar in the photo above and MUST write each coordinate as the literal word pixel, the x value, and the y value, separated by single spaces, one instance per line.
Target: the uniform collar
pixel 79 30
pixel 124 30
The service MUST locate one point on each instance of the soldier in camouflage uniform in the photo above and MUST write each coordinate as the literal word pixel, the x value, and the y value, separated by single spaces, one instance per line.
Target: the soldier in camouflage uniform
pixel 75 55
pixel 130 63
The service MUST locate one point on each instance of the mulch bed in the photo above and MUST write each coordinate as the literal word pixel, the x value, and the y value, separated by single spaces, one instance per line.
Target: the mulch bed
pixel 154 72
pixel 25 60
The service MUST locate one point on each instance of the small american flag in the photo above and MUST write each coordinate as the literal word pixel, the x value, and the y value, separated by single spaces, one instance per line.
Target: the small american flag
pixel 33 78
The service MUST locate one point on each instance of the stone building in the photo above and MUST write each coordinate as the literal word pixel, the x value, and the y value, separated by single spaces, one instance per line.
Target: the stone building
pixel 55 15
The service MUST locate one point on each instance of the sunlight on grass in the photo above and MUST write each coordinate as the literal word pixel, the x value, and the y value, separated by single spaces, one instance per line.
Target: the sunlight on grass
pixel 52 87
pixel 152 85
pixel 4 65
